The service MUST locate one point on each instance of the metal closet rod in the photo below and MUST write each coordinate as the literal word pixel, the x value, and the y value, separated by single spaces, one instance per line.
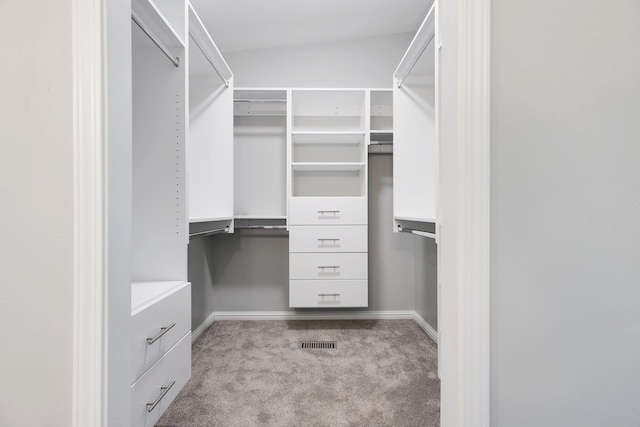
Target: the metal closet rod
pixel 417 232
pixel 210 232
pixel 265 100
pixel 174 59
pixel 415 61
pixel 262 227
pixel 226 82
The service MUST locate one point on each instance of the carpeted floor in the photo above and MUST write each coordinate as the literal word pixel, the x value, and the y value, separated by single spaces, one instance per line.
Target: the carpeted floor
pixel 252 373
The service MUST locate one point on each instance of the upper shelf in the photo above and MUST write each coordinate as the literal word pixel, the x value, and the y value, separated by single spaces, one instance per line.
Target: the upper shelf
pixel 158 19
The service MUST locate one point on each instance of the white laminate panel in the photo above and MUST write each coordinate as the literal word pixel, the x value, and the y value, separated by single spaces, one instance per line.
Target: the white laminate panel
pixel 174 307
pixel 328 210
pixel 328 293
pixel 173 366
pixel 328 266
pixel 328 238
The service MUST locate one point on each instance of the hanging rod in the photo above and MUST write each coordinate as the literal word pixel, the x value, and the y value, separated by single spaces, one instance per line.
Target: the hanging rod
pixel 417 232
pixel 381 143
pixel 210 232
pixel 262 227
pixel 226 82
pixel 428 27
pixel 175 60
pixel 265 100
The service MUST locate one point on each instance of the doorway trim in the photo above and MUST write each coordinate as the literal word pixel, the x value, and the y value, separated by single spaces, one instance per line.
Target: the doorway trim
pixel 473 222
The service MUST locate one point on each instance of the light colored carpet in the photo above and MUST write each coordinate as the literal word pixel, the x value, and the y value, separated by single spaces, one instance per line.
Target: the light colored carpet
pixel 252 373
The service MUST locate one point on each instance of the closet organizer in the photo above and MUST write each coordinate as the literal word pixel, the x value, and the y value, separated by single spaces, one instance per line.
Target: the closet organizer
pixel 167 40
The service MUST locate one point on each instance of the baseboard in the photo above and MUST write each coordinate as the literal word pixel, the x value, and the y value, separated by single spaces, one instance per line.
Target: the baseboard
pixel 325 315
pixel 427 328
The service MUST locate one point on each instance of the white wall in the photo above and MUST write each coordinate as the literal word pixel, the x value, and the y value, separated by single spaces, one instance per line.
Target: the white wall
pixel 36 183
pixel 565 326
pixel 359 63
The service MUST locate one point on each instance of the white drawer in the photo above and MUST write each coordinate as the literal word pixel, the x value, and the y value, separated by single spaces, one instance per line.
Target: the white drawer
pixel 328 293
pixel 173 366
pixel 173 308
pixel 327 210
pixel 328 238
pixel 328 266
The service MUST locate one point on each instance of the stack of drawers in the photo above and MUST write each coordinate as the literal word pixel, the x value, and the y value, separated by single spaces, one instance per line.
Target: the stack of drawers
pixel 160 347
pixel 328 252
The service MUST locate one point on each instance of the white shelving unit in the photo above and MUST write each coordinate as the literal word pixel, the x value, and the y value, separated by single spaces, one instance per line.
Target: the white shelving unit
pixel 210 138
pixel 415 159
pixel 260 152
pixel 327 185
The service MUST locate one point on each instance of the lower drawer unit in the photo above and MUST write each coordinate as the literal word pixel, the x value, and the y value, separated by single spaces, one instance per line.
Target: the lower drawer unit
pixel 157 326
pixel 155 390
pixel 328 293
pixel 328 266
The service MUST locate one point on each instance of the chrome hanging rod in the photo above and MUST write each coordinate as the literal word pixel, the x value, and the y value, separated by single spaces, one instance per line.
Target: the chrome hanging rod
pixel 417 232
pixel 174 59
pixel 265 100
pixel 226 82
pixel 427 28
pixel 262 227
pixel 210 232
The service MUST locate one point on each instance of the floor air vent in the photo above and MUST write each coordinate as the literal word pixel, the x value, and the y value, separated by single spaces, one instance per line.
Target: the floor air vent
pixel 318 344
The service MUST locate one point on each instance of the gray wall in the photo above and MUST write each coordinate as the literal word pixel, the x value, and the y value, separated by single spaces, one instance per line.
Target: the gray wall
pixel 368 62
pixel 248 270
pixel 565 322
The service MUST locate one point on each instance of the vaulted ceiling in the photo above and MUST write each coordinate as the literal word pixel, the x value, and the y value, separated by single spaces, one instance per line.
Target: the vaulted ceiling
pixel 253 24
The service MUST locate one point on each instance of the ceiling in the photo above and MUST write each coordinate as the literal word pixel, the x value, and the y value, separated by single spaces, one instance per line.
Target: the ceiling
pixel 254 24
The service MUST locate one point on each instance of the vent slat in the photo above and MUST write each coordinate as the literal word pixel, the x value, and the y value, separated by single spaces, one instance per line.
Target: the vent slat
pixel 318 345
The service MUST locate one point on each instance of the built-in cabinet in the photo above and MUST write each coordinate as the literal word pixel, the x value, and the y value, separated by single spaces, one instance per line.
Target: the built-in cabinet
pixel 415 153
pixel 182 174
pixel 160 301
pixel 328 250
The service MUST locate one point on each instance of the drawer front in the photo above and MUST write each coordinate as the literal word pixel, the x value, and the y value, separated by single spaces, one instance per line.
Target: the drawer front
pixel 147 324
pixel 328 293
pixel 328 266
pixel 328 211
pixel 175 365
pixel 328 238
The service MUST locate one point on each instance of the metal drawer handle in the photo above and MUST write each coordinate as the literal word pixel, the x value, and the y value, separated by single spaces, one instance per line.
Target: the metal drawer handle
pixel 152 405
pixel 335 213
pixel 162 332
pixel 328 295
pixel 324 240
pixel 322 267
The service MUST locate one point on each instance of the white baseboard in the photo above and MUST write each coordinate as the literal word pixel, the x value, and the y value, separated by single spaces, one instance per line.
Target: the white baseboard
pixel 432 333
pixel 327 315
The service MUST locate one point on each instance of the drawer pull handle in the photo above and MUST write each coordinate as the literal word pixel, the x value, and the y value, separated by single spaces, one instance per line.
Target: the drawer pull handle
pixel 335 267
pixel 326 240
pixel 329 295
pixel 335 213
pixel 162 332
pixel 152 405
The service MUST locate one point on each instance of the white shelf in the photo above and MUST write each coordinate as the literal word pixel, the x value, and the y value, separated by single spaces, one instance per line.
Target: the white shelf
pixel 327 166
pixel 407 218
pixel 260 217
pixel 199 220
pixel 145 294
pixel 328 132
pixel 386 131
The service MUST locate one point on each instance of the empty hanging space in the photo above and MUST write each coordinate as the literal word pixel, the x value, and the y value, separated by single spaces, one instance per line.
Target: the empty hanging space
pixel 415 151
pixel 210 143
pixel 260 153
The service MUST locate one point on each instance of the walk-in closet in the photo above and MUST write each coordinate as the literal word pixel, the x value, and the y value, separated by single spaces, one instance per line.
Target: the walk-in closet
pixel 298 204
